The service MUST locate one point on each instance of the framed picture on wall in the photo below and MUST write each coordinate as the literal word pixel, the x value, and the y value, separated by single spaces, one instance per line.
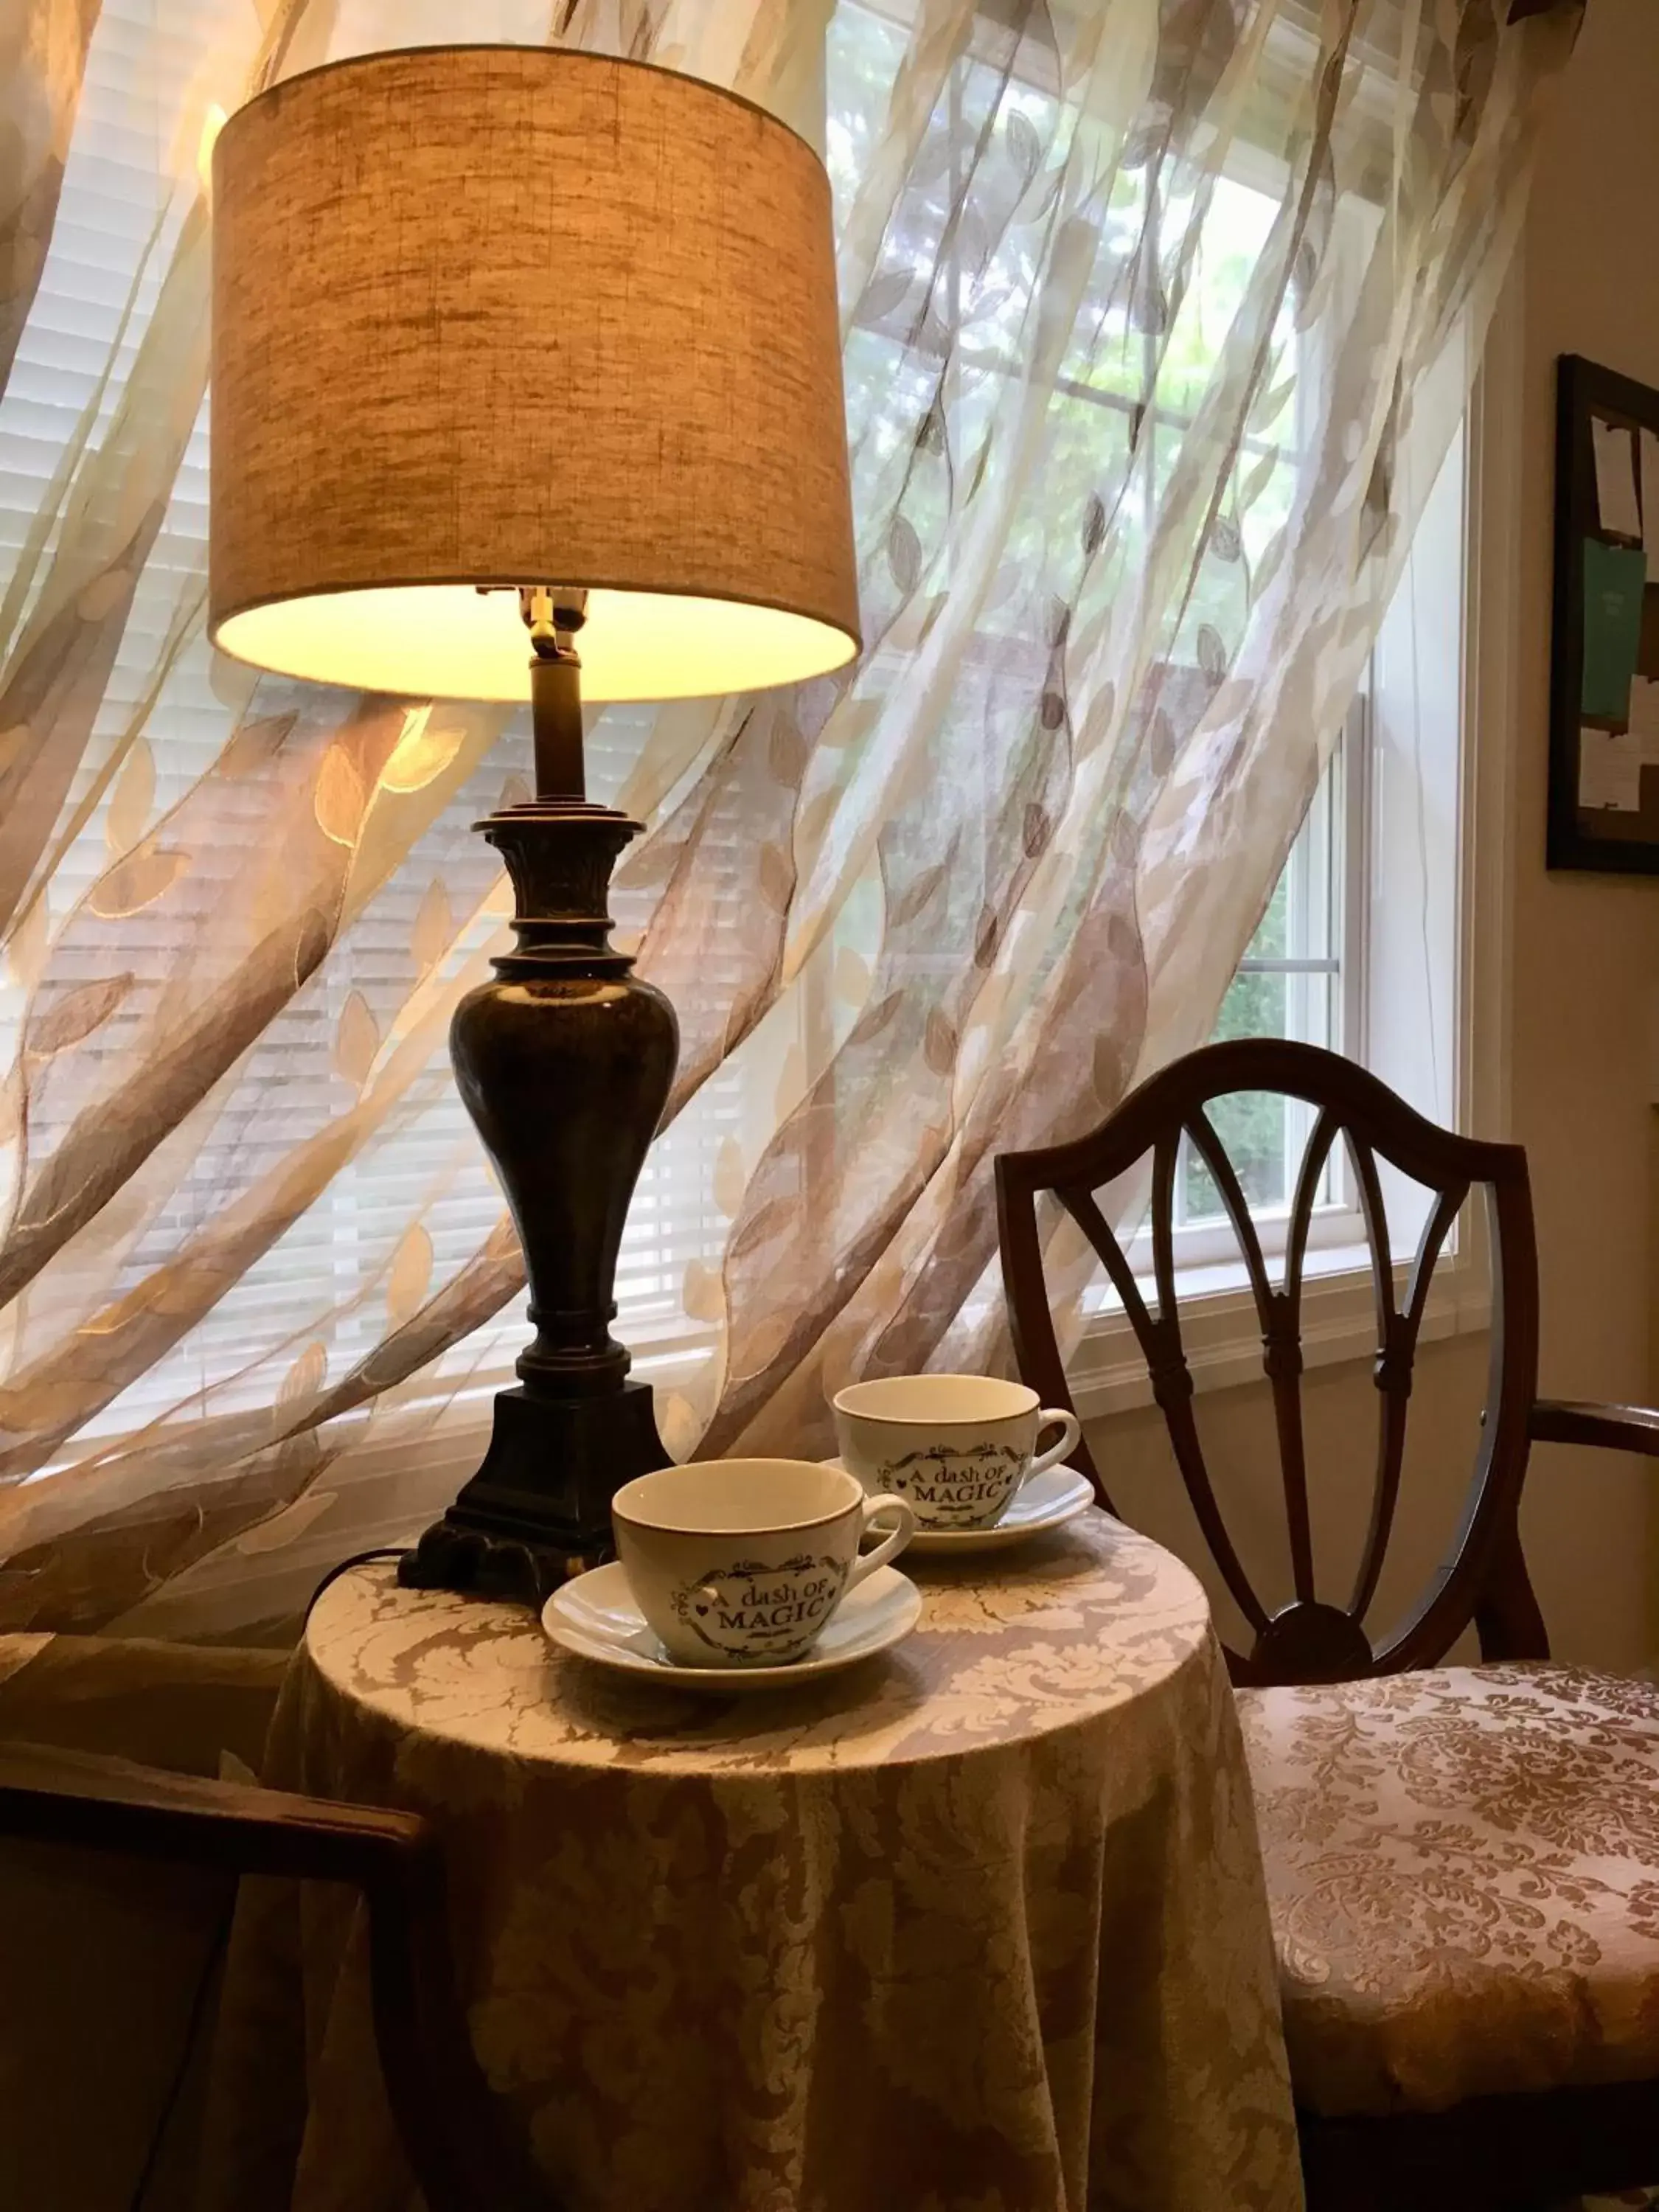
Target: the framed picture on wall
pixel 1604 677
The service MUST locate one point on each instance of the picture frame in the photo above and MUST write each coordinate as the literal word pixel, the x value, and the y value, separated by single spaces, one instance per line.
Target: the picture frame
pixel 1603 806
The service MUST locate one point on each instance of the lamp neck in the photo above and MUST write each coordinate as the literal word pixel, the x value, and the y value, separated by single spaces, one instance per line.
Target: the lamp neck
pixel 555 709
pixel 553 614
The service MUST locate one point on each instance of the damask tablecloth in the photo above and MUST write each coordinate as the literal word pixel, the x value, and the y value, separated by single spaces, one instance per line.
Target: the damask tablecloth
pixel 979 1926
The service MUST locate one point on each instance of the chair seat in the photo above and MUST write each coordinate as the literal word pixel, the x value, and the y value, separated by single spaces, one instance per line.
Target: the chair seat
pixel 1463 1866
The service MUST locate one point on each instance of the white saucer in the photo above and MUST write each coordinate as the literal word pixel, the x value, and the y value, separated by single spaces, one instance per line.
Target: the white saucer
pixel 1049 1500
pixel 595 1616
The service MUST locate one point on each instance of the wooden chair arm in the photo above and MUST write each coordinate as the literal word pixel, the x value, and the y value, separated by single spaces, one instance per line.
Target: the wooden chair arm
pixel 102 1803
pixel 1620 1428
pixel 451 2124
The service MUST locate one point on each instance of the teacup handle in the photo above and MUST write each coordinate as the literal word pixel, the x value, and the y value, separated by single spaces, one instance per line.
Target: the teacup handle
pixel 867 1562
pixel 1071 1430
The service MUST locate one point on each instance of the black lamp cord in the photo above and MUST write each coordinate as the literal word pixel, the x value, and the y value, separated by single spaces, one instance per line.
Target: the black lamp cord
pixel 217 1949
pixel 357 1559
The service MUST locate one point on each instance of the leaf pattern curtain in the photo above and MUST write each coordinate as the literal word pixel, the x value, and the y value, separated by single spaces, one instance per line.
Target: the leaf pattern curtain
pixel 1156 319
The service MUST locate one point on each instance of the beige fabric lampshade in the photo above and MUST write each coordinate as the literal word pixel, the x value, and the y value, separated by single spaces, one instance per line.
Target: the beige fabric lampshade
pixel 504 315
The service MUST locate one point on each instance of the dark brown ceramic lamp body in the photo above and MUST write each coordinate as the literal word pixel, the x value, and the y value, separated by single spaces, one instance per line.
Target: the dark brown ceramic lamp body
pixel 564 1061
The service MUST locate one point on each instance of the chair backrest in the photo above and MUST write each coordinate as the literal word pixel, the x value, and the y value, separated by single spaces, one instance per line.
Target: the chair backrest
pixel 1483 1578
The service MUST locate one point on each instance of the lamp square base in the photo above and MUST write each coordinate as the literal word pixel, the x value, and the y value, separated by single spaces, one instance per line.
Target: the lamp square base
pixel 538 1511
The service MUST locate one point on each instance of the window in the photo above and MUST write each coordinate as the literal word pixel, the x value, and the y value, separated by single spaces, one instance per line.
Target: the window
pixel 1360 949
pixel 161 722
pixel 1301 978
pixel 1359 946
pixel 1327 962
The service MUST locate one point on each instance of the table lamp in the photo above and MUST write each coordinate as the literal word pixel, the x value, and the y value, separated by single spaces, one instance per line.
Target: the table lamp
pixel 514 348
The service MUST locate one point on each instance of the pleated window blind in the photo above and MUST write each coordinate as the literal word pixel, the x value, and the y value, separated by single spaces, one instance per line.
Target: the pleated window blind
pixel 129 187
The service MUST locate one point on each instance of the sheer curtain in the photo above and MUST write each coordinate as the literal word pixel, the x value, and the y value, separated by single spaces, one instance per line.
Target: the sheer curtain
pixel 1154 315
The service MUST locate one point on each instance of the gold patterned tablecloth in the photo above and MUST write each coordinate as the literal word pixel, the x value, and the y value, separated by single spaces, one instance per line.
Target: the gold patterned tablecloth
pixel 976 1927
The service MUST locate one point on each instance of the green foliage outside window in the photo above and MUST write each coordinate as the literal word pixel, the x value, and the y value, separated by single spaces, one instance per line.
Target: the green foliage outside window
pixel 1250 1124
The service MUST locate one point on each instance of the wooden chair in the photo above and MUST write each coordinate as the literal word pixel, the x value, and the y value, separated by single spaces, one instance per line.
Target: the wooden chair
pixel 1463 1863
pixel 459 2146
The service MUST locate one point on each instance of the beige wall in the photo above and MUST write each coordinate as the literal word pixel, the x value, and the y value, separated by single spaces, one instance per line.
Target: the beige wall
pixel 1582 986
pixel 1586 948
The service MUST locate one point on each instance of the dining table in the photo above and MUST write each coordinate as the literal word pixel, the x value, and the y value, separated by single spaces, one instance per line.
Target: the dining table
pixel 976 1926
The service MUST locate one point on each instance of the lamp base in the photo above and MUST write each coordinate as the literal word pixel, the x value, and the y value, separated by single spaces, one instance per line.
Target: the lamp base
pixel 505 1536
pixel 564 1060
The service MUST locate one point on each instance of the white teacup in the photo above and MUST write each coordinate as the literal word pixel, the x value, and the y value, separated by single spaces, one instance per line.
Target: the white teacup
pixel 742 1562
pixel 955 1447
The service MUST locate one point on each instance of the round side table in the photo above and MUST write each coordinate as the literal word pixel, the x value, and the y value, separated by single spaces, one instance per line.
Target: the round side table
pixel 979 1926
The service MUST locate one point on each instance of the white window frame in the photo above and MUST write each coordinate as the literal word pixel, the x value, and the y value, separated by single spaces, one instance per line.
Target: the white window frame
pixel 1332 849
pixel 1220 1327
